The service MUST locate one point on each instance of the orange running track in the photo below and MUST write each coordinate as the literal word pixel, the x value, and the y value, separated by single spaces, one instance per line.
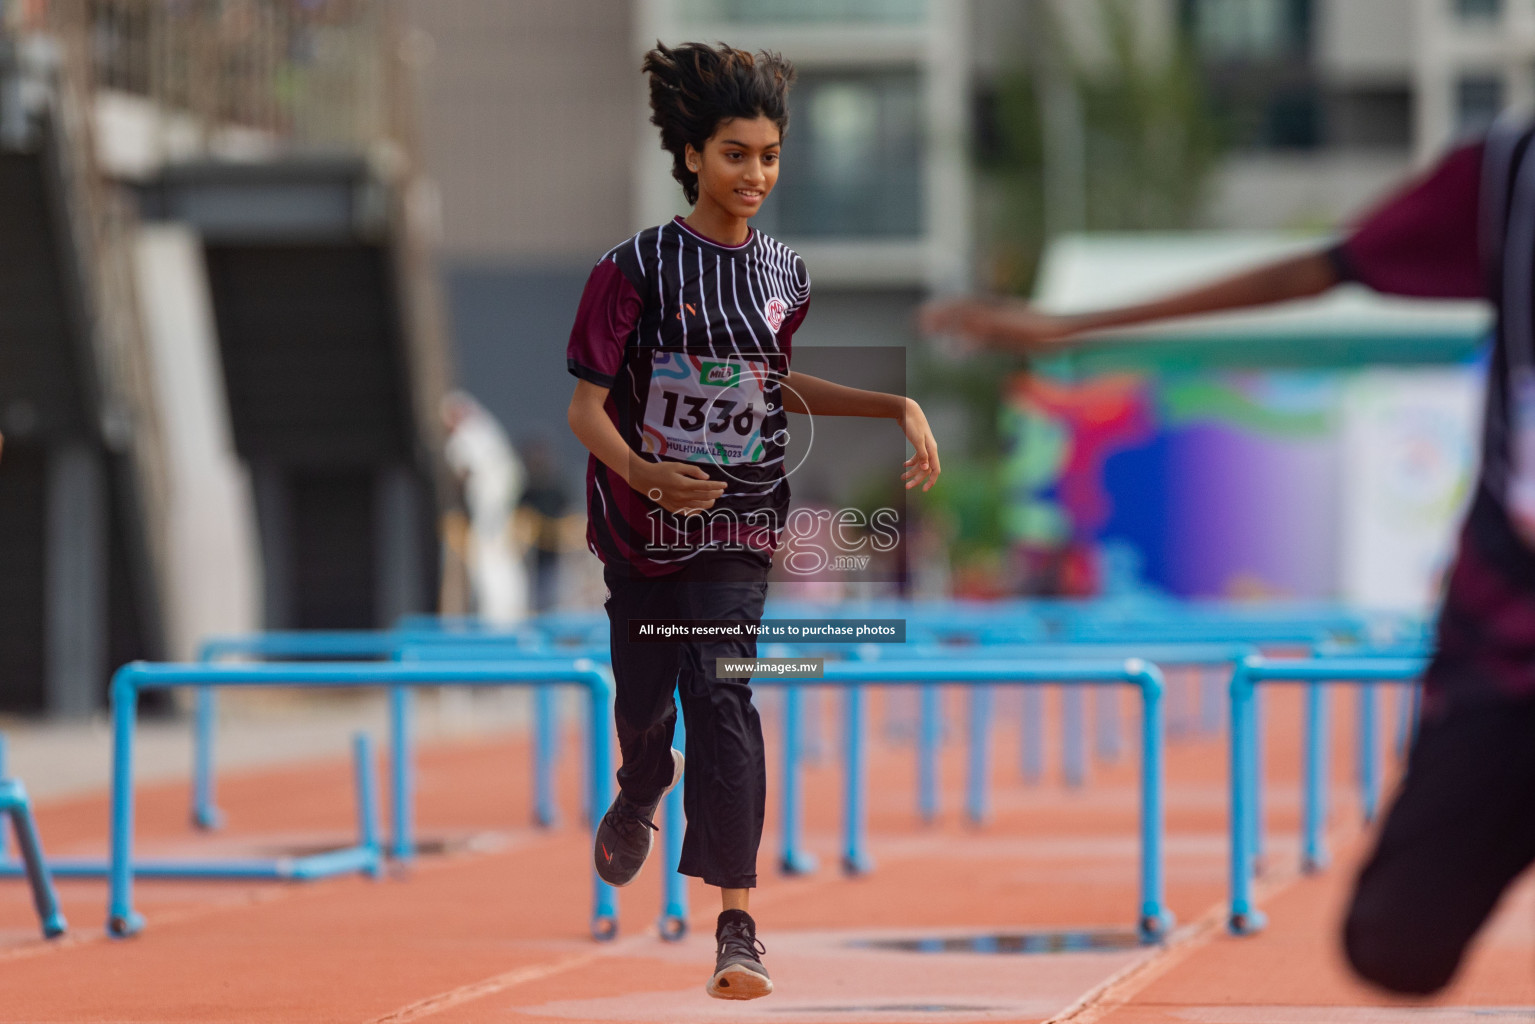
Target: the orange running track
pixel 495 927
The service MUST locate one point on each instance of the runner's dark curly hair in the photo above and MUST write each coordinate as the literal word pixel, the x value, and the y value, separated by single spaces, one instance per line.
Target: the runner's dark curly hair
pixel 695 87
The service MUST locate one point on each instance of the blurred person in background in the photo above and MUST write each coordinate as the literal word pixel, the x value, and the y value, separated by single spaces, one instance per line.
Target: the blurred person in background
pixel 1461 826
pixel 541 514
pixel 492 476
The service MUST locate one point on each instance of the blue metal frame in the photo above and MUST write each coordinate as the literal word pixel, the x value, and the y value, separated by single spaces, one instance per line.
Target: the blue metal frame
pixel 793 860
pixel 673 924
pixel 1074 758
pixel 1243 918
pixel 15 805
pixel 276 644
pixel 1031 729
pixel 929 739
pixel 131 679
pixel 425 644
pixel 981 698
pixel 366 856
pixel 1154 920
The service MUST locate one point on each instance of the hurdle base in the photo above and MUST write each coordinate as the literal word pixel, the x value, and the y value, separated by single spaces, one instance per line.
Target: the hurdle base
pixel 1314 863
pixel 1155 928
pixel 125 926
pixel 795 863
pixel 347 860
pixel 54 925
pixel 855 865
pixel 673 927
pixel 605 928
pixel 207 819
pixel 1249 922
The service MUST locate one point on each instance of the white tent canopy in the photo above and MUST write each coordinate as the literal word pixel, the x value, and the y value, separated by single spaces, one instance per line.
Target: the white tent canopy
pixel 1348 326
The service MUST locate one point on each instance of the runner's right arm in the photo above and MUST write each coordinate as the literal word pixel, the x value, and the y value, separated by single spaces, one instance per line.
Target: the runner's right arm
pixel 675 486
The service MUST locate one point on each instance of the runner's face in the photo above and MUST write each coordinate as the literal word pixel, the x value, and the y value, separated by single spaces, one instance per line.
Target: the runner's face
pixel 738 166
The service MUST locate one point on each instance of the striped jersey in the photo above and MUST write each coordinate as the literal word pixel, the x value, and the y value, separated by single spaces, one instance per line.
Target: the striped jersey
pixel 691 338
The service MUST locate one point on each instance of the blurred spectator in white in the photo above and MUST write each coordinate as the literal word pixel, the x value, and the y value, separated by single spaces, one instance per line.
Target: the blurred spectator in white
pixel 492 476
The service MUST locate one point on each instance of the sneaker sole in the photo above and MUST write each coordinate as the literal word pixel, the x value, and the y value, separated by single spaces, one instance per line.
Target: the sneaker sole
pixel 677 762
pixel 737 982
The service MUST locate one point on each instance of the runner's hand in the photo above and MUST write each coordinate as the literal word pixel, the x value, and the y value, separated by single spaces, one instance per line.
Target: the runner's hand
pixel 922 467
pixel 676 486
pixel 1006 324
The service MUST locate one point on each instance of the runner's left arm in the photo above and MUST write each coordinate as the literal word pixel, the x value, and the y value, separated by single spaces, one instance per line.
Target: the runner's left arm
pixel 814 396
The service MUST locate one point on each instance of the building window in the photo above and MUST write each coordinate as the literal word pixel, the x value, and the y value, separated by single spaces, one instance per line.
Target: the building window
pixel 1246 29
pixel 1479 10
pixel 746 12
pixel 852 161
pixel 1369 117
pixel 1478 101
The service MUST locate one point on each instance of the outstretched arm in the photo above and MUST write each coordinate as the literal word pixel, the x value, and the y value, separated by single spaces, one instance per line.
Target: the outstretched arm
pixel 1015 325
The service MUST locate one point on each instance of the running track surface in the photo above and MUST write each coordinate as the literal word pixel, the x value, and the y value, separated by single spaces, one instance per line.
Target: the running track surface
pixel 495 928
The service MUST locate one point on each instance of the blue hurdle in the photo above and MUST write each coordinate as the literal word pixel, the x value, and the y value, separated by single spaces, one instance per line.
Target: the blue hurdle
pixel 353 644
pixel 1154 920
pixel 15 805
pixel 1074 755
pixel 131 679
pixel 366 856
pixel 1246 771
pixel 330 644
pixel 673 924
pixel 545 731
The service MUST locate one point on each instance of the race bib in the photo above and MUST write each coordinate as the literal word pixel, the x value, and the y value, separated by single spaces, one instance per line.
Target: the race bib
pixel 705 409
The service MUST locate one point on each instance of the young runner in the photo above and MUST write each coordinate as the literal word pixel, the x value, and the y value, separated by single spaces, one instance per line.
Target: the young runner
pixel 682 345
pixel 1461 826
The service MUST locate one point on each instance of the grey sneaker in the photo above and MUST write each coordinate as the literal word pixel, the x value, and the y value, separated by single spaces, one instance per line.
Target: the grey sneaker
pixel 738 970
pixel 627 834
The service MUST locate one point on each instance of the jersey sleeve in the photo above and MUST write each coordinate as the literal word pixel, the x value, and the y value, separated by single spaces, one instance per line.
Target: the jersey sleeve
pixel 610 308
pixel 1423 240
pixel 799 283
pixel 786 332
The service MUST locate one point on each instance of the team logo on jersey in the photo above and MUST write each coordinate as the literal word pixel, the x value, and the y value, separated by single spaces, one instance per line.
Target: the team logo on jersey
pixel 775 311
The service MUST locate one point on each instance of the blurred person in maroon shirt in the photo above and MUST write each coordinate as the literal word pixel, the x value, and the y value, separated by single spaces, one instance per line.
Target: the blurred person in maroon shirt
pixel 1461 826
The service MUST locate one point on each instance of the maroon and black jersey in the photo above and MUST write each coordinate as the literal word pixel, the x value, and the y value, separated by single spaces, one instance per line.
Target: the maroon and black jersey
pixel 691 338
pixel 1466 230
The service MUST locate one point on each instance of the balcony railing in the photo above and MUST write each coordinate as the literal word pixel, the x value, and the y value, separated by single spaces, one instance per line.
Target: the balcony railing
pixel 305 74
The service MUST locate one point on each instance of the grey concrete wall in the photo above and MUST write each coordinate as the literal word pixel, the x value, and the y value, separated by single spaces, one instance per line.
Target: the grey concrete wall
pixel 527 123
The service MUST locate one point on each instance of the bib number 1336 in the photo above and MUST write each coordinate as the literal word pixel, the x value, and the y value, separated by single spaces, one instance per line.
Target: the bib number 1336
pixel 705 409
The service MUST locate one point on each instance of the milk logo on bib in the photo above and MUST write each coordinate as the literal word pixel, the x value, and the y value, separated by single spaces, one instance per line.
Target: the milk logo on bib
pixel 775 311
pixel 721 375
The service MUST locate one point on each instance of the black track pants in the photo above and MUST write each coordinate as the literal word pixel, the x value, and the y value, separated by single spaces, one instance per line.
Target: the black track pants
pixel 1460 830
pixel 725 783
